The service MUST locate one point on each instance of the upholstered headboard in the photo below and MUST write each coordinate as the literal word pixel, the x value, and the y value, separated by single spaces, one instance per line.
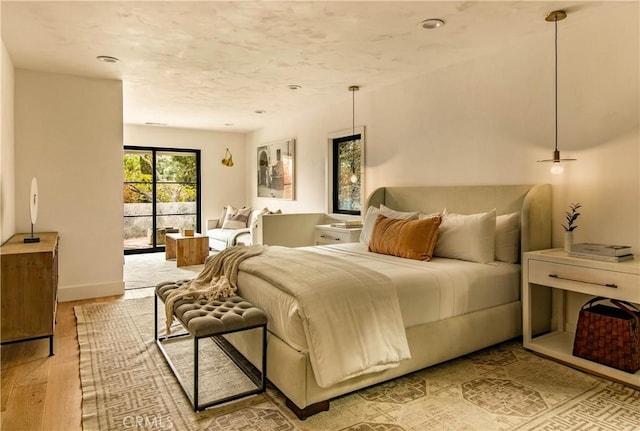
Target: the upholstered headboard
pixel 532 201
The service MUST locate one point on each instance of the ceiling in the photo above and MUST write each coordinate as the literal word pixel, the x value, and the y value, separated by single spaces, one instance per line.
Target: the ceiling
pixel 212 65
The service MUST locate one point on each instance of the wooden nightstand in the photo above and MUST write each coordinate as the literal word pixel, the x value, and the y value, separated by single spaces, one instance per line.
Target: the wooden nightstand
pixel 555 270
pixel 327 234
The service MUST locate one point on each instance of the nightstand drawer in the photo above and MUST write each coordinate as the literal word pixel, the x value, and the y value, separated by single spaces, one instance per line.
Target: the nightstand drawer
pixel 591 281
pixel 325 234
pixel 330 237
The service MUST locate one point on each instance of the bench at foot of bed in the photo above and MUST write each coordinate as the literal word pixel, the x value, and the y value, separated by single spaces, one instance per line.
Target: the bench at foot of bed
pixel 203 319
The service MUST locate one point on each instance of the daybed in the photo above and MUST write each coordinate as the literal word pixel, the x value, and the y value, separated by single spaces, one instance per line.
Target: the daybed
pixel 470 306
pixel 263 227
pixel 221 238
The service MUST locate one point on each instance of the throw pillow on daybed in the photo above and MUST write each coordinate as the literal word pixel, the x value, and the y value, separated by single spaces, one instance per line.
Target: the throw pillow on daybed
pixel 236 218
pixel 411 239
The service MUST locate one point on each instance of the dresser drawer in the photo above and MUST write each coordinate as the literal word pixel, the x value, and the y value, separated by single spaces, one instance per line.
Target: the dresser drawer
pixel 598 282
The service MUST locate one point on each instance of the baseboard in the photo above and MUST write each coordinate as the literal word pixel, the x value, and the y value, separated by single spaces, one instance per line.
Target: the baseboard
pixel 75 293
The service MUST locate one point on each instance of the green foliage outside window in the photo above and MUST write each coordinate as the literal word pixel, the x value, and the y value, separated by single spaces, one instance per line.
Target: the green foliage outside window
pixel 176 178
pixel 348 153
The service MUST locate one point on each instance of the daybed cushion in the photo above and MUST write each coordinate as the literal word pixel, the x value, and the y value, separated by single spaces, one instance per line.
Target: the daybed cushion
pixel 413 239
pixel 225 234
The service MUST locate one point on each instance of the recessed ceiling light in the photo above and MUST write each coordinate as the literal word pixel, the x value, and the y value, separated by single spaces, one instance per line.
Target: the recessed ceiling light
pixel 228 124
pixel 150 123
pixel 107 59
pixel 431 23
pixel 259 111
pixel 294 87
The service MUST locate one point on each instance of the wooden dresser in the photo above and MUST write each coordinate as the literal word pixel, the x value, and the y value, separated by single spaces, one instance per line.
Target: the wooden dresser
pixel 29 284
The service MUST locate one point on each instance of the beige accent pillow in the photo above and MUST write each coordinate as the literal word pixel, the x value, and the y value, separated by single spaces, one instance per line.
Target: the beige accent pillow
pixel 467 237
pixel 412 239
pixel 236 218
pixel 372 214
pixel 507 246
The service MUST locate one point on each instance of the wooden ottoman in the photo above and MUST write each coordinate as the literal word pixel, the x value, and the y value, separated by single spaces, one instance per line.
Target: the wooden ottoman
pixel 186 250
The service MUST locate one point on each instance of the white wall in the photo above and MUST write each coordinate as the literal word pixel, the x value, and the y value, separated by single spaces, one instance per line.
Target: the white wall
pixel 68 134
pixel 7 171
pixel 487 121
pixel 221 185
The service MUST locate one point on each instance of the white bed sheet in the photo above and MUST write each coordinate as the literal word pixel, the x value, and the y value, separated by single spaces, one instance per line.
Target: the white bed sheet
pixel 427 291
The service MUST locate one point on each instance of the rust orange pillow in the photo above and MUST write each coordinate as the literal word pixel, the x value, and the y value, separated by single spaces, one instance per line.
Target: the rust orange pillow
pixel 411 239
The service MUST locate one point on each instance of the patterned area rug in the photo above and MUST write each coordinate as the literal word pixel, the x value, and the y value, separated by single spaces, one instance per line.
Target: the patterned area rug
pixel 127 384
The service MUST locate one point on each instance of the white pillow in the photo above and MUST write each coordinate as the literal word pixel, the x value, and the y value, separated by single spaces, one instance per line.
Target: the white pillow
pixel 507 237
pixel 236 218
pixel 467 237
pixel 372 215
pixel 398 215
pixel 422 216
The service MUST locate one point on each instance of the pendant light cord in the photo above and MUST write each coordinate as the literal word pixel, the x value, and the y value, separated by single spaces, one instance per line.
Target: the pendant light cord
pixel 556 80
pixel 353 129
pixel 353 112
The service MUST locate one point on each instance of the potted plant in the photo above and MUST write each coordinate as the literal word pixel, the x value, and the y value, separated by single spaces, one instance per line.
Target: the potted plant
pixel 571 216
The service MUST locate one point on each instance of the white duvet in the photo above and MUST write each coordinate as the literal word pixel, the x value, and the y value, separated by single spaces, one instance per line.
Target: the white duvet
pixel 427 291
pixel 350 314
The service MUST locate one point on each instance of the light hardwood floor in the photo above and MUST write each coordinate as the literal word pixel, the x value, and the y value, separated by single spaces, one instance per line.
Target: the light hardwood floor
pixel 39 392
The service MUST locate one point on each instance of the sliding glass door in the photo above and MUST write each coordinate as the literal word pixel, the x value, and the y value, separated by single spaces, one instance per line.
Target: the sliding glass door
pixel 161 195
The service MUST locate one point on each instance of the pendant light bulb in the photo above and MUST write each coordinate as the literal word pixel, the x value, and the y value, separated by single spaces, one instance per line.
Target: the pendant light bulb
pixel 556 168
pixel 354 178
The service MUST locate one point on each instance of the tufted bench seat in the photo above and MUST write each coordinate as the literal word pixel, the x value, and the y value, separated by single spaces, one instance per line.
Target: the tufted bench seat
pixel 203 318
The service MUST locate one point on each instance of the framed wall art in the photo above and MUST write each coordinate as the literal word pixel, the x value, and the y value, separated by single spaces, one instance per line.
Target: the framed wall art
pixel 276 163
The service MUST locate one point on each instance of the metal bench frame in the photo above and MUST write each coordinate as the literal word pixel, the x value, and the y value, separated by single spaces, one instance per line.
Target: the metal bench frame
pixel 257 377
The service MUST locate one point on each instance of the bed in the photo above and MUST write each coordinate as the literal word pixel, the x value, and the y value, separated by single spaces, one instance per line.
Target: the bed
pixel 449 307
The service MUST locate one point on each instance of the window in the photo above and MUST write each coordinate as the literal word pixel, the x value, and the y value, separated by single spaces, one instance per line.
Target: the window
pixel 346 162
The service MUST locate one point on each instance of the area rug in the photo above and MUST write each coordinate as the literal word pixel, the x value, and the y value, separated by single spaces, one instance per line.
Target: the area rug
pixel 127 384
pixel 149 269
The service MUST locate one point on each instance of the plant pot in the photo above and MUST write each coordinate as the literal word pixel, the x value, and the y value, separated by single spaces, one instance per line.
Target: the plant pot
pixel 568 240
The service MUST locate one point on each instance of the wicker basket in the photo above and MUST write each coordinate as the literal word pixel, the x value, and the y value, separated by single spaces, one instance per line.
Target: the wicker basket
pixel 609 335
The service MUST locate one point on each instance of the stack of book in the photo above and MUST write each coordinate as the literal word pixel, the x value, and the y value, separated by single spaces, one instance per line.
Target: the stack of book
pixel 608 253
pixel 348 224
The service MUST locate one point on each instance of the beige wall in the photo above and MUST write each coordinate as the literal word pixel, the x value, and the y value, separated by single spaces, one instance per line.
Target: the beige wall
pixel 220 185
pixel 68 134
pixel 7 170
pixel 487 121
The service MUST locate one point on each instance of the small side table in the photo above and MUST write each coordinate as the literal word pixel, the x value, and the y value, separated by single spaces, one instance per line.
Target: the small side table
pixel 187 250
pixel 552 274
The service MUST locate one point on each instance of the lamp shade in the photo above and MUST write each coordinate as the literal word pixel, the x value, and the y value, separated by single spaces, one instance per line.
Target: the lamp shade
pixel 228 159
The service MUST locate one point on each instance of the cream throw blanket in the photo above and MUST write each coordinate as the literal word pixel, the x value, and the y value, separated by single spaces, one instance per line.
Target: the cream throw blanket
pixel 351 315
pixel 218 278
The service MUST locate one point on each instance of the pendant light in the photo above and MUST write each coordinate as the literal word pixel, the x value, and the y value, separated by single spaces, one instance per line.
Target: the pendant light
pixel 556 168
pixel 353 89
